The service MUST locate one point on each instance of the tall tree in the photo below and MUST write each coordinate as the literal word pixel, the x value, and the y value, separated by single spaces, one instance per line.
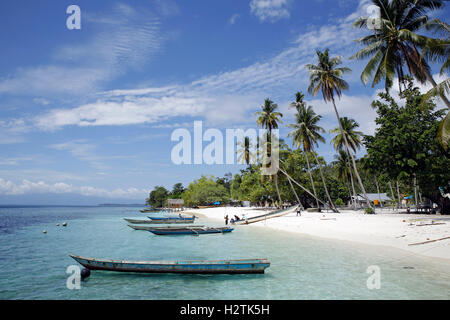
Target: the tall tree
pixel 394 45
pixel 326 77
pixel 344 172
pixel 269 119
pixel 306 133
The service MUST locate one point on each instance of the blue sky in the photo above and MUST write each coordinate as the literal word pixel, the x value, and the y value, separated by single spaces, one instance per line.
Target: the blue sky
pixel 86 115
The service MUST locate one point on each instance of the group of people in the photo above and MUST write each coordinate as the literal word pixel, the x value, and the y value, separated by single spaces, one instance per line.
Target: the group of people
pixel 235 219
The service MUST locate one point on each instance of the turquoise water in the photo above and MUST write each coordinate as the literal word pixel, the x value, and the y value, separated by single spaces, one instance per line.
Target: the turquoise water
pixel 33 265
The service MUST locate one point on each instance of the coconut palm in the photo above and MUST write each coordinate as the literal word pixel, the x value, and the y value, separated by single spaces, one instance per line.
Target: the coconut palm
pixel 395 45
pixel 299 101
pixel 326 77
pixel 244 151
pixel 306 133
pixel 269 118
pixel 353 136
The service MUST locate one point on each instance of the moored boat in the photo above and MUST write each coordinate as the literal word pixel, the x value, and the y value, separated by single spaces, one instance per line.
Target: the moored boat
pixel 136 221
pixel 149 210
pixel 166 227
pixel 242 266
pixel 189 231
pixel 173 218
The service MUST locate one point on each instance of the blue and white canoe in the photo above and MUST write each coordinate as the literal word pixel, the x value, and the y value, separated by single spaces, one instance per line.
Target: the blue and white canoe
pixel 243 266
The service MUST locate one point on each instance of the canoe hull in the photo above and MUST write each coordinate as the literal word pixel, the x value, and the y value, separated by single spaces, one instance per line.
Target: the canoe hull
pixel 246 266
pixel 194 231
pixel 147 228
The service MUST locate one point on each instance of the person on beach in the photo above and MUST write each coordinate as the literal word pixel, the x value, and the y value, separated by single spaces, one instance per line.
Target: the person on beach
pixel 226 220
pixel 237 218
pixel 299 211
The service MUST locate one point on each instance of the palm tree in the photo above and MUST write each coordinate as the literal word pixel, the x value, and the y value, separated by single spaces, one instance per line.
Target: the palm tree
pixel 326 77
pixel 299 101
pixel 344 172
pixel 244 152
pixel 354 142
pixel 353 137
pixel 395 46
pixel 306 133
pixel 268 118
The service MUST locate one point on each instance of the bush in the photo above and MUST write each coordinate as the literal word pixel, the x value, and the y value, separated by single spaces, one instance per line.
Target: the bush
pixel 369 210
pixel 339 202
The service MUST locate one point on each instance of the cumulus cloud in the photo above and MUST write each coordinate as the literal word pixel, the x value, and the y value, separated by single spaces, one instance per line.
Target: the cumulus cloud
pixel 270 10
pixel 8 187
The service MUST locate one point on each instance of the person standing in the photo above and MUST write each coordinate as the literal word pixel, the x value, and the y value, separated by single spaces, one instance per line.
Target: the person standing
pixel 226 220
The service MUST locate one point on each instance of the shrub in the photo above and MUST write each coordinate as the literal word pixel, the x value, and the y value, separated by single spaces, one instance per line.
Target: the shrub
pixel 369 210
pixel 339 202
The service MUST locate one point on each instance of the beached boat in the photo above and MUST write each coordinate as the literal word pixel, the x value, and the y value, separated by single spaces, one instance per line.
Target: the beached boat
pixel 188 231
pixel 166 221
pixel 166 227
pixel 150 210
pixel 189 266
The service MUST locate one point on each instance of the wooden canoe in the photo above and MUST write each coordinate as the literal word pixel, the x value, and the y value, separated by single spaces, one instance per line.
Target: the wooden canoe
pixel 173 218
pixel 243 266
pixel 166 227
pixel 138 221
pixel 149 210
pixel 188 231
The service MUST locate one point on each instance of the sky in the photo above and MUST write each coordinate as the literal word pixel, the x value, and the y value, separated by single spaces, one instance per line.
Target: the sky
pixel 86 115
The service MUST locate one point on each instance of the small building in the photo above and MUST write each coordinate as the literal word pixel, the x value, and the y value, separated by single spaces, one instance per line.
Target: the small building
pixel 175 203
pixel 374 198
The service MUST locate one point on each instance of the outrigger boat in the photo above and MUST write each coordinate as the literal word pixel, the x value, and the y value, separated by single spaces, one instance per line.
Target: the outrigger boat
pixel 188 231
pixel 173 218
pixel 147 228
pixel 149 210
pixel 243 266
pixel 135 221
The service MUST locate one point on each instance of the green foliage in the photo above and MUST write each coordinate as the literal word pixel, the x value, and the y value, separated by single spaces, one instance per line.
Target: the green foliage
pixel 369 211
pixel 205 191
pixel 406 143
pixel 158 197
pixel 339 202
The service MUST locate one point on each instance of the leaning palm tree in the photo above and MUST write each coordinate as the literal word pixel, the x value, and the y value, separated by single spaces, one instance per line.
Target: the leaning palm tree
pixel 269 118
pixel 306 133
pixel 326 77
pixel 396 46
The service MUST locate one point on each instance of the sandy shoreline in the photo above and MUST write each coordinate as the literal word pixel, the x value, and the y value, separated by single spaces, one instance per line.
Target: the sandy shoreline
pixel 383 229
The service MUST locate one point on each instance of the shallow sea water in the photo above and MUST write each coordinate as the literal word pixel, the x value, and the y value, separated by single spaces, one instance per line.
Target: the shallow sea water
pixel 33 265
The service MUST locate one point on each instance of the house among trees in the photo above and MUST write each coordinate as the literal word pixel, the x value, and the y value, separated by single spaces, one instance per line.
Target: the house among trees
pixel 175 203
pixel 374 198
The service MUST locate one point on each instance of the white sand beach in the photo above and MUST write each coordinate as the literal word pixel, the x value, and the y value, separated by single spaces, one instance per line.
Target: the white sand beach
pixel 386 228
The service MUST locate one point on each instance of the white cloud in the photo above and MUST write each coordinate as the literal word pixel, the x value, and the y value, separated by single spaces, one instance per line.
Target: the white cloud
pixel 233 18
pixel 270 10
pixel 8 187
pixel 122 39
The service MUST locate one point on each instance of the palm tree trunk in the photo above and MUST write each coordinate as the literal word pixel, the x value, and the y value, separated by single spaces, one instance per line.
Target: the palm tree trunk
pixel 398 194
pixel 312 181
pixel 351 155
pixel 353 185
pixel 324 182
pixel 392 191
pixel 441 94
pixel 276 187
pixel 378 190
pixel 415 191
pixel 306 190
pixel 296 195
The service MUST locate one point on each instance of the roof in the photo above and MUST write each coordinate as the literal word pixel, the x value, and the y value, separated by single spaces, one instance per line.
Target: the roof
pixel 374 196
pixel 175 201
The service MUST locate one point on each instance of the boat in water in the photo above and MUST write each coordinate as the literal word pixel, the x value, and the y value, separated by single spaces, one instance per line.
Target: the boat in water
pixel 173 218
pixel 149 210
pixel 158 221
pixel 243 266
pixel 147 228
pixel 189 231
